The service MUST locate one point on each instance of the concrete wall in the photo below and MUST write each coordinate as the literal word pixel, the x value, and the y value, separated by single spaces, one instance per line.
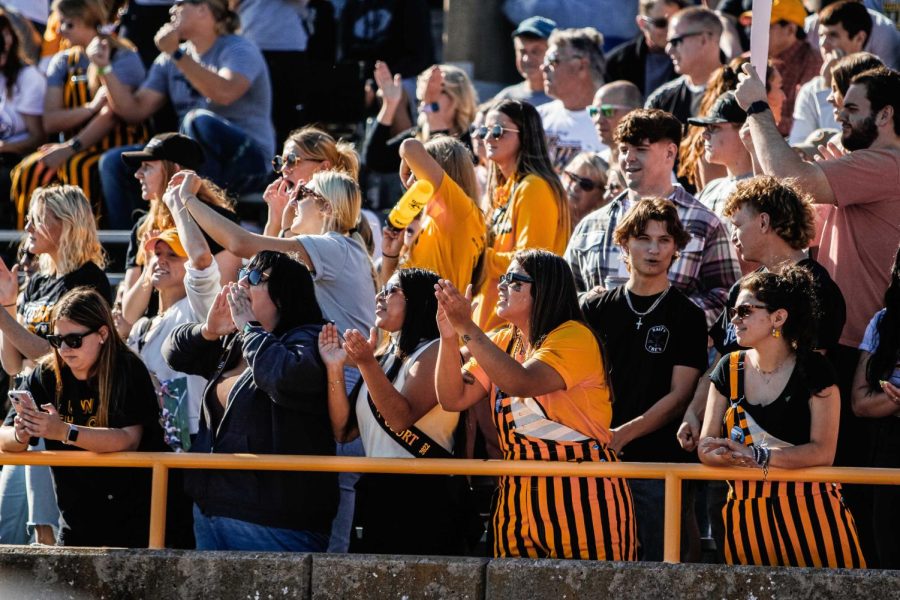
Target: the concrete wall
pixel 51 573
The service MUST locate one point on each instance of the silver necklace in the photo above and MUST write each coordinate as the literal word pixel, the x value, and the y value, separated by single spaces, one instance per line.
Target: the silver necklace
pixel 768 376
pixel 641 315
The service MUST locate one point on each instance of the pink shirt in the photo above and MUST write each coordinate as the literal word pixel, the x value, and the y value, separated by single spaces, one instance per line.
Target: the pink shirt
pixel 861 234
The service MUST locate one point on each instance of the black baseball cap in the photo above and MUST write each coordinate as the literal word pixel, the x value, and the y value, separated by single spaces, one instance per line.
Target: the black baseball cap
pixel 725 110
pixel 175 147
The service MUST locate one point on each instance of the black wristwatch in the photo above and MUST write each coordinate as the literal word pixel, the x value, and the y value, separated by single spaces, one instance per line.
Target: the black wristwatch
pixel 758 107
pixel 71 435
pixel 431 107
pixel 178 54
pixel 76 145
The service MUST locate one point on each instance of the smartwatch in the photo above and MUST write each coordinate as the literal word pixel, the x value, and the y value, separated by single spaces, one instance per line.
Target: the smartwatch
pixel 178 54
pixel 758 107
pixel 431 107
pixel 71 435
pixel 76 145
pixel 250 325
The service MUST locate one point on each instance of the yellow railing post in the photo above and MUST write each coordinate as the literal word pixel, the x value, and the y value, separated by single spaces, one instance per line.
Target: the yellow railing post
pixel 158 494
pixel 672 539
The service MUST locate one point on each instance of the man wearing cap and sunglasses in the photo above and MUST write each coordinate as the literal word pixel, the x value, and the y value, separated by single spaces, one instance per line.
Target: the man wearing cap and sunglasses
pixel 643 61
pixel 530 42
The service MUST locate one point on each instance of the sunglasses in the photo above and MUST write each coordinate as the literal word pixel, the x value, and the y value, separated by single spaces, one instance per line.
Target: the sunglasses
pixel 303 192
pixel 280 163
pixel 605 110
pixel 677 40
pixel 495 132
pixel 72 340
pixel 659 23
pixel 254 276
pixel 66 25
pixel 744 310
pixel 588 185
pixel 387 290
pixel 515 280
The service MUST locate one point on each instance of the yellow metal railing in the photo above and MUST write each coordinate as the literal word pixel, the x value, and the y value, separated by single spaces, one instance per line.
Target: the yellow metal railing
pixel 673 474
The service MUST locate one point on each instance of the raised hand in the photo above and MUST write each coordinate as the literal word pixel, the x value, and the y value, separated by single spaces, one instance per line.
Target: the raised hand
pixel 391 242
pixel 330 349
pixel 457 308
pixel 390 85
pixel 98 51
pixel 239 305
pixel 277 196
pixel 218 319
pixel 434 85
pixel 360 349
pixel 750 88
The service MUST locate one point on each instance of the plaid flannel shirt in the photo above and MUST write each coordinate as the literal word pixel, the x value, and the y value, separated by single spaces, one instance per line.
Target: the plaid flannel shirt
pixel 704 271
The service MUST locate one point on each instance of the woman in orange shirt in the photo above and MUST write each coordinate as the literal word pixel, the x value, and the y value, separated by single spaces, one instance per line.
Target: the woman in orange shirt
pixel 543 376
pixel 528 203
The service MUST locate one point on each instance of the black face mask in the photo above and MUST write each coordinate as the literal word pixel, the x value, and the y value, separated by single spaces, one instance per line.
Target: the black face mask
pixel 862 136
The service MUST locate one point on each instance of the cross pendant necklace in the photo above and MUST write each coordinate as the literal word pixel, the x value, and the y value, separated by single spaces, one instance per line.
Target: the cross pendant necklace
pixel 639 323
pixel 641 315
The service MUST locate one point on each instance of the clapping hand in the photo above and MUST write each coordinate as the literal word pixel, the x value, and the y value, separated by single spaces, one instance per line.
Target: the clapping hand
pixel 360 349
pixel 454 308
pixel 390 85
pixel 330 349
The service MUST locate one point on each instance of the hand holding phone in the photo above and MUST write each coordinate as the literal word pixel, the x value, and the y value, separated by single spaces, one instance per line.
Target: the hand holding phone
pixel 20 398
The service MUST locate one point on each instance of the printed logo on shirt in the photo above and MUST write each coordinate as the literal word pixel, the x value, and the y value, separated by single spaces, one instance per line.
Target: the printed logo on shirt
pixel 657 339
pixel 730 335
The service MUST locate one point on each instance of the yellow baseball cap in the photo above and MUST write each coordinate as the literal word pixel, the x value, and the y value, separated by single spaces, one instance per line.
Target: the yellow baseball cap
pixel 791 11
pixel 169 236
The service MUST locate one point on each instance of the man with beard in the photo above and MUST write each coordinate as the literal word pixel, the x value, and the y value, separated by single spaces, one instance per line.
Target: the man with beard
pixel 860 235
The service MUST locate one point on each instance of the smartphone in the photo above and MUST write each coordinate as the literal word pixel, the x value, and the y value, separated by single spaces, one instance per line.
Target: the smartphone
pixel 20 398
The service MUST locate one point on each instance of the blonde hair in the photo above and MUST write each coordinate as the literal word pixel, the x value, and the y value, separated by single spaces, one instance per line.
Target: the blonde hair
pixel 459 88
pixel 595 164
pixel 319 145
pixel 345 203
pixel 78 242
pixel 159 218
pixel 456 160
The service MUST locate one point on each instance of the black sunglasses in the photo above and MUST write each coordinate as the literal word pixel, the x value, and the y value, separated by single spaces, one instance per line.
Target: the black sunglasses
pixel 72 340
pixel 659 23
pixel 254 276
pixel 677 40
pixel 495 132
pixel 514 280
pixel 584 183
pixel 280 163
pixel 744 310
pixel 387 290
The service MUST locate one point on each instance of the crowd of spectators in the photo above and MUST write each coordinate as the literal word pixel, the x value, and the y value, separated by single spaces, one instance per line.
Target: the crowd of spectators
pixel 642 251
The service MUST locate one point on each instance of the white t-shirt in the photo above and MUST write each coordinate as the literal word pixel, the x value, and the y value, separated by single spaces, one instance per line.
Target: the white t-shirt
pixel 812 110
pixel 27 99
pixel 568 133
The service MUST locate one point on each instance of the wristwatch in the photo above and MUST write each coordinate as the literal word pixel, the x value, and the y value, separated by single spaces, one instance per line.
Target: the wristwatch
pixel 250 324
pixel 431 107
pixel 758 107
pixel 178 54
pixel 71 435
pixel 76 145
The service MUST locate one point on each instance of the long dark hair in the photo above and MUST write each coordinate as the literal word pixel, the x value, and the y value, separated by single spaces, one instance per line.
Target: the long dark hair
pixel 83 305
pixel 419 323
pixel 534 158
pixel 291 290
pixel 555 299
pixel 15 58
pixel 884 359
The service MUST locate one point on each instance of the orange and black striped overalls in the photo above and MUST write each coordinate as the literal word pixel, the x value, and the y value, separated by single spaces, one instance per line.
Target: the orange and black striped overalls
pixel 81 168
pixel 782 523
pixel 558 517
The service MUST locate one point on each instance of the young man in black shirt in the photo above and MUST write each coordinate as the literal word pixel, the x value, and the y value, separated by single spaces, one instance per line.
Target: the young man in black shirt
pixel 655 341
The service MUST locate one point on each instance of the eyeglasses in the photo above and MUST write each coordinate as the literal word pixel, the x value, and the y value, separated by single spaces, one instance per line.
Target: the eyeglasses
pixel 386 291
pixel 588 185
pixel 254 276
pixel 552 59
pixel 743 311
pixel 659 23
pixel 495 132
pixel 72 340
pixel 677 40
pixel 66 25
pixel 280 163
pixel 515 280
pixel 322 202
pixel 605 110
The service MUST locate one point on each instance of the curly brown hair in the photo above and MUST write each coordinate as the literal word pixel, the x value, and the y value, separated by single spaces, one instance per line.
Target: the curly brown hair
pixel 791 213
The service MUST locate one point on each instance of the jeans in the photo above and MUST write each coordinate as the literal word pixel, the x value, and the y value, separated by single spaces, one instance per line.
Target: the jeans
pixel 27 498
pixel 233 160
pixel 343 520
pixel 649 512
pixel 121 191
pixel 224 533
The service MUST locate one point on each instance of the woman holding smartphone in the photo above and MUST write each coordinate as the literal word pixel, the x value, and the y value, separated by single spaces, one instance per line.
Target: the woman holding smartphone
pixel 94 394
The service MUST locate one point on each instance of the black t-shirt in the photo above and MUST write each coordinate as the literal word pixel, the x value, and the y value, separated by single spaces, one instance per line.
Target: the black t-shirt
pixel 788 416
pixel 44 291
pixel 134 247
pixel 832 312
pixel 641 361
pixel 102 506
